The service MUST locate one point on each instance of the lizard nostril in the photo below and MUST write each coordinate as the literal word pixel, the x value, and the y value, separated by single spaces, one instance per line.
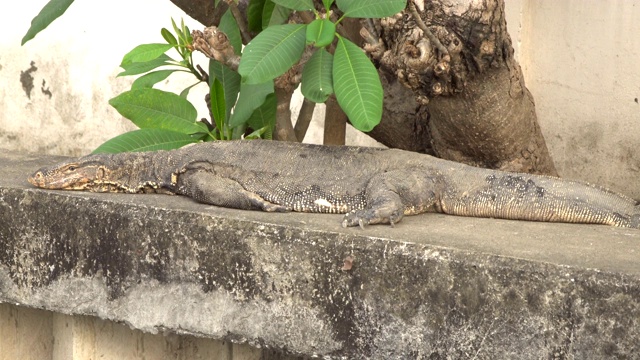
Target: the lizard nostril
pixel 36 179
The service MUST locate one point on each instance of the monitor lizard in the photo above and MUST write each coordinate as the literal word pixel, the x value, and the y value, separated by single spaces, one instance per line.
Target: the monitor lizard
pixel 368 185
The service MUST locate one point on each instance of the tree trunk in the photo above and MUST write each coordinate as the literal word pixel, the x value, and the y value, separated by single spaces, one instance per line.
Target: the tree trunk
pixel 471 102
pixel 452 85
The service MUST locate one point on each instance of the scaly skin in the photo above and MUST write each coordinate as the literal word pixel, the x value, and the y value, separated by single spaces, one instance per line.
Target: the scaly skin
pixel 368 185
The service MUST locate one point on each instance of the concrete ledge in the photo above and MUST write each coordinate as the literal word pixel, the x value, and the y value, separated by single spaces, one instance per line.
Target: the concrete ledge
pixel 433 287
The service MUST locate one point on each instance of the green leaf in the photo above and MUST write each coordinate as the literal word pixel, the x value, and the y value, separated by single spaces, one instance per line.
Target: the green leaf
pixel 145 140
pixel 370 8
pixel 185 92
pixel 264 117
pixel 254 14
pixel 230 81
pixel 178 32
pixel 218 106
pixel 357 85
pixel 168 36
pixel 251 97
pixel 229 26
pixel 262 133
pixel 187 33
pixel 142 67
pixel 49 12
pixel 272 53
pixel 299 5
pixel 144 53
pixel 153 108
pixel 278 15
pixel 267 11
pixel 150 79
pixel 327 4
pixel 321 32
pixel 317 77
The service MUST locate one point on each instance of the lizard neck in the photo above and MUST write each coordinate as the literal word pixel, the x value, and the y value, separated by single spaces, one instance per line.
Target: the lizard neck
pixel 136 173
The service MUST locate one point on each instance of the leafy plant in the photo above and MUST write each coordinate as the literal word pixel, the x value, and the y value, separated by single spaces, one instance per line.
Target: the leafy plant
pixel 349 73
pixel 170 118
pixel 245 98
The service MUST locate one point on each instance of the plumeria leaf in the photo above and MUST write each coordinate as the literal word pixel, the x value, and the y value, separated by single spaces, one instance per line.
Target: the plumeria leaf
pixel 142 67
pixel 168 36
pixel 153 108
pixel 300 5
pixel 51 11
pixel 317 77
pixel 254 14
pixel 321 32
pixel 144 53
pixel 251 97
pixel 370 8
pixel 150 79
pixel 357 86
pixel 272 53
pixel 230 82
pixel 145 140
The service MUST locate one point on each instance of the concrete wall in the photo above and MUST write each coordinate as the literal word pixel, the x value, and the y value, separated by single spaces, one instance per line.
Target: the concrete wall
pixel 580 61
pixel 77 60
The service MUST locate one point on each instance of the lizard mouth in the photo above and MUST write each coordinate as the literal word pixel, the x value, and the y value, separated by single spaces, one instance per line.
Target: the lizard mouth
pixel 38 180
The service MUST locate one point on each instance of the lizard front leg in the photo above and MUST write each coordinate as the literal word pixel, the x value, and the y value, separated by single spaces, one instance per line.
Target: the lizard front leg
pixel 391 195
pixel 211 188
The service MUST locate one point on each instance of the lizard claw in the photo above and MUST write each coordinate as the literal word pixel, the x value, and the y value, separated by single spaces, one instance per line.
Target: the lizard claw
pixel 360 218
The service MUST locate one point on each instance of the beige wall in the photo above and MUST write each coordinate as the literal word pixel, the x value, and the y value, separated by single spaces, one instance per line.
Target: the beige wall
pixel 580 60
pixel 30 334
pixel 78 58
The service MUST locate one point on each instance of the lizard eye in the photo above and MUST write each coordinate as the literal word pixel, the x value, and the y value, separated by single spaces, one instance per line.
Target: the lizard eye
pixel 71 168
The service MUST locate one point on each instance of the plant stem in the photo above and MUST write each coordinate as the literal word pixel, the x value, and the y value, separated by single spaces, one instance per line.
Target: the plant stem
pixel 304 119
pixel 335 123
pixel 203 74
pixel 284 128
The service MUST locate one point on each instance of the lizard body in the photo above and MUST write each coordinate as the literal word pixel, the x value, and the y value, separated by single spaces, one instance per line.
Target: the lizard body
pixel 369 185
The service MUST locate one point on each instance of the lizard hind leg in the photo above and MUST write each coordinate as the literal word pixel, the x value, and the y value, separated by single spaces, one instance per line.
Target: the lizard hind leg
pixel 391 195
pixel 210 188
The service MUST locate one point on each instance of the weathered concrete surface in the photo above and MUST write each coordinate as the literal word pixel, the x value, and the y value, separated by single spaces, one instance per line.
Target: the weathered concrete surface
pixel 433 287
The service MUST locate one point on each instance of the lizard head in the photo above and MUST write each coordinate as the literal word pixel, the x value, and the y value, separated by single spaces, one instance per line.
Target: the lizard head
pixel 73 175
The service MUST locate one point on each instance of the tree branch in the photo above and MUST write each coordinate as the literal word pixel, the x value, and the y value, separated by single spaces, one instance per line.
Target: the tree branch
pixel 434 40
pixel 240 20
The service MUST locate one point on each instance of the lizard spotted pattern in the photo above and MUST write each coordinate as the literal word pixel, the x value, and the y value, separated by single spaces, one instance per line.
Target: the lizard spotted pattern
pixel 368 185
